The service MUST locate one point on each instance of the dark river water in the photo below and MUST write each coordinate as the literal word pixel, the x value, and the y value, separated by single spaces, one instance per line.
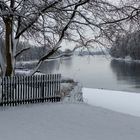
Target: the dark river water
pixel 98 72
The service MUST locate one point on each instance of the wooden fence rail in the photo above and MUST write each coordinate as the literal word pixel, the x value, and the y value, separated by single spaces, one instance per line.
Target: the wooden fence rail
pixel 30 89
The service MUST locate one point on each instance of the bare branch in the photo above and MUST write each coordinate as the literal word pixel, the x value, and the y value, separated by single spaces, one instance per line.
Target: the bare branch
pixel 21 51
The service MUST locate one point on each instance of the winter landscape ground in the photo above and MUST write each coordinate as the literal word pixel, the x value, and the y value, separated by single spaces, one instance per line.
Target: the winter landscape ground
pixel 48 29
pixel 75 120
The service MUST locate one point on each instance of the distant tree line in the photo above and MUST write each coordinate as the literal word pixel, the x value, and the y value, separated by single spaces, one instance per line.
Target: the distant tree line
pixel 128 45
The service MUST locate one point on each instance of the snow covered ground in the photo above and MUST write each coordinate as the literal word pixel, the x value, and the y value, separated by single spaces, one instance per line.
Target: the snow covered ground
pixel 124 102
pixel 26 72
pixel 66 121
pixel 69 120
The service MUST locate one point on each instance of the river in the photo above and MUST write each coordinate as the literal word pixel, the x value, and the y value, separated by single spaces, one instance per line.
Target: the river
pixel 98 72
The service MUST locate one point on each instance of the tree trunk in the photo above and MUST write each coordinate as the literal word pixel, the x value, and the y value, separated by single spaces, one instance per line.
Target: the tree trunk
pixel 8 33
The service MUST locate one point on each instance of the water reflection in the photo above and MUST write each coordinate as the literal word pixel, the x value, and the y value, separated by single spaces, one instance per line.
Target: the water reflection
pixel 54 65
pixel 48 67
pixel 129 71
pixel 98 72
pixel 67 62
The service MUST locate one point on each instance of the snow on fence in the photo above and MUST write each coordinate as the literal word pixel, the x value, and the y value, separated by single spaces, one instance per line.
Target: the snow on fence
pixel 30 89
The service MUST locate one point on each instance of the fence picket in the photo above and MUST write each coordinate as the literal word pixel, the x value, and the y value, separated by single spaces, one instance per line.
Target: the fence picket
pixel 11 90
pixel 20 94
pixel 15 91
pixel 28 96
pixel 23 90
pixel 35 94
pixel 46 87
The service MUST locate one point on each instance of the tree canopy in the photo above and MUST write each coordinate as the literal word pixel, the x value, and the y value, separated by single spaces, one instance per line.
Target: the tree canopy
pixel 50 22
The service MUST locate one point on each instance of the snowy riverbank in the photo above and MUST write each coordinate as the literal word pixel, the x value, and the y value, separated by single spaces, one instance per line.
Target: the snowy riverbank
pixel 70 120
pixel 119 101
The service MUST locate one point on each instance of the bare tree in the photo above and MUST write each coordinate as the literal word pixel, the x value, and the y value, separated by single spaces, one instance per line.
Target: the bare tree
pixel 49 22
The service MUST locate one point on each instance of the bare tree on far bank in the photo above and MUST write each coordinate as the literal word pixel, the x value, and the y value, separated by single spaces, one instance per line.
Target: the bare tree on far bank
pixel 128 43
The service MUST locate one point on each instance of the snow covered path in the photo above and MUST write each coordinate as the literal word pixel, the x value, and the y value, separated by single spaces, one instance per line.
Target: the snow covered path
pixel 64 121
pixel 120 101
